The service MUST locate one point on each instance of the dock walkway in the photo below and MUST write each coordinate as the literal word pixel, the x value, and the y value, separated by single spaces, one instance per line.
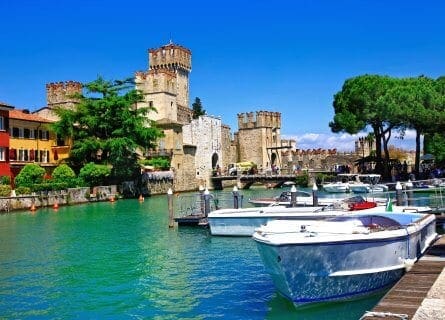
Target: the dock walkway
pixel 420 293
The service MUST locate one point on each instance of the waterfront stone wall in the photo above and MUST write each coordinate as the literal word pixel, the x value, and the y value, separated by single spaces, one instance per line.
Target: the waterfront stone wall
pixel 60 197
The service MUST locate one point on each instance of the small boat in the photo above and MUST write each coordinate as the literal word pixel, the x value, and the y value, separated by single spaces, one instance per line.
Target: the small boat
pixel 342 258
pixel 357 183
pixel 368 183
pixel 284 199
pixel 243 222
pixel 342 183
pixel 337 187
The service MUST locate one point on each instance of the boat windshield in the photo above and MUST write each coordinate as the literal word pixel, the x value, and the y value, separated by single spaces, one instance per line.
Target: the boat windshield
pixel 370 221
pixel 286 195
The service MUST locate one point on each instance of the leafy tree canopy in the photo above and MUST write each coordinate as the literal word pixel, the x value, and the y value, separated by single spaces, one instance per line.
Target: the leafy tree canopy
pixel 107 127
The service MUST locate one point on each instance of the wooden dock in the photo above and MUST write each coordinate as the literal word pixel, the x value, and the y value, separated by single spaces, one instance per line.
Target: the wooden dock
pixel 420 293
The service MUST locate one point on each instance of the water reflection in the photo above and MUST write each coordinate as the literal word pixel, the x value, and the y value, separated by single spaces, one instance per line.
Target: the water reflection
pixel 282 309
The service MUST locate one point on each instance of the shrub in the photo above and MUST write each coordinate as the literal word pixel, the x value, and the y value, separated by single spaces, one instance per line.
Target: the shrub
pixel 50 186
pixel 160 163
pixel 63 174
pixel 5 180
pixel 22 190
pixel 5 190
pixel 30 174
pixel 94 174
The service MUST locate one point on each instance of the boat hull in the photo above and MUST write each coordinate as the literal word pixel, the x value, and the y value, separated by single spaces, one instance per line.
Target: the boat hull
pixel 245 224
pixel 330 271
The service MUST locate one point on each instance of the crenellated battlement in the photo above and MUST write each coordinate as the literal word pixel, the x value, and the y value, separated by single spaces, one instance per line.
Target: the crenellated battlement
pixel 259 119
pixel 170 57
pixel 62 92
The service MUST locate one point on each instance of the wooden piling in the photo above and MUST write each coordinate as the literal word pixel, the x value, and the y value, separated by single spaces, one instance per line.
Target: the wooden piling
pixel 235 198
pixel 315 194
pixel 171 221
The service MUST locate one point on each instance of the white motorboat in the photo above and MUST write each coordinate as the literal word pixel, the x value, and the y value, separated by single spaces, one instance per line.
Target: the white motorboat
pixel 342 183
pixel 368 183
pixel 345 257
pixel 303 198
pixel 337 187
pixel 243 222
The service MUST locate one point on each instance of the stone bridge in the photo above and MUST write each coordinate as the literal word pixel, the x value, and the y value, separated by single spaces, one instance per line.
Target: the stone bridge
pixel 273 180
pixel 245 181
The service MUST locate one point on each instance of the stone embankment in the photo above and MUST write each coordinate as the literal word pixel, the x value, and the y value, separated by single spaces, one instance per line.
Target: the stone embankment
pixel 55 198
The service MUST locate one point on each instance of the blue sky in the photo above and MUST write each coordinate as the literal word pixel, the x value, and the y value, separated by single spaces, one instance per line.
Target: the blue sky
pixel 286 56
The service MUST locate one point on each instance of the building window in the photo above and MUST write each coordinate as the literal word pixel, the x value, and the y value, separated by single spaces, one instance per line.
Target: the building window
pixel 43 156
pixel 43 135
pixel 150 104
pixel 31 134
pixel 21 155
pixel 60 142
pixel 26 133
pixel 21 133
pixel 2 123
pixel 15 132
pixel 2 153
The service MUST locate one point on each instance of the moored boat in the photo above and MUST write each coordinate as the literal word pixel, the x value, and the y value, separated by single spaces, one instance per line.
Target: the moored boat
pixel 243 222
pixel 303 198
pixel 342 258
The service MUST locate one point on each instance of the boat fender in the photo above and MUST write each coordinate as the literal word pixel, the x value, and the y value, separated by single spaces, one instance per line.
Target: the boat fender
pixel 408 263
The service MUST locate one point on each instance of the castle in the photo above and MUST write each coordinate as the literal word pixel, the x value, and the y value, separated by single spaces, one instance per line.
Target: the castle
pixel 196 147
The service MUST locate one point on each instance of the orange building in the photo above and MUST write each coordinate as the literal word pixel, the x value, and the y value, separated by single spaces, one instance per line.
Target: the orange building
pixel 31 141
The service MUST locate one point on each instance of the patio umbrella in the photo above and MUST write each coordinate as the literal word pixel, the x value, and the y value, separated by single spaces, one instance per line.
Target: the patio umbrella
pixel 427 157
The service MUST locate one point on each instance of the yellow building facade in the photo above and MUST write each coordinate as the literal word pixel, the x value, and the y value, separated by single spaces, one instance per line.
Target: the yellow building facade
pixel 31 141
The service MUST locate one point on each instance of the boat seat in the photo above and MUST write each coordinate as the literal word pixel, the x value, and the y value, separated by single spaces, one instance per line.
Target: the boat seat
pixel 379 222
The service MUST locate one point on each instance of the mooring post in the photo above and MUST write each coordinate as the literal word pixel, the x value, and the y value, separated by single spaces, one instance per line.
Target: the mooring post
pixel 235 198
pixel 171 221
pixel 410 192
pixel 315 195
pixel 201 197
pixel 206 202
pixel 399 194
pixel 293 196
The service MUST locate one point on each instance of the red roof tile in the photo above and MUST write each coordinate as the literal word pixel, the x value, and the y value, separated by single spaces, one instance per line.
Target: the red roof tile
pixel 20 115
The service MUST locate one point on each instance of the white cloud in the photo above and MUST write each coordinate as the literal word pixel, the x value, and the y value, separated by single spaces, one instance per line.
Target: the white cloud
pixel 345 142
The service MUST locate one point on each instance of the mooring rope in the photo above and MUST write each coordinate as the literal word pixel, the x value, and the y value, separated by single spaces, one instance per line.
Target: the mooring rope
pixel 368 314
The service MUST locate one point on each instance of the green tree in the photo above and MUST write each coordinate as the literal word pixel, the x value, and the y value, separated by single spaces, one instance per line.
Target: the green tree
pixel 107 127
pixel 361 103
pixel 435 145
pixel 30 175
pixel 197 108
pixel 414 102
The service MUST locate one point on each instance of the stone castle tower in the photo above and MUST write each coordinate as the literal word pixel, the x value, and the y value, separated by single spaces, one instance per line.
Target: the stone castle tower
pixel 59 94
pixel 166 83
pixel 258 138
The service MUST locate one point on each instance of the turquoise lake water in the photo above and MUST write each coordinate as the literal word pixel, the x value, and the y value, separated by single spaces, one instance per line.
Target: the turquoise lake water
pixel 120 260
